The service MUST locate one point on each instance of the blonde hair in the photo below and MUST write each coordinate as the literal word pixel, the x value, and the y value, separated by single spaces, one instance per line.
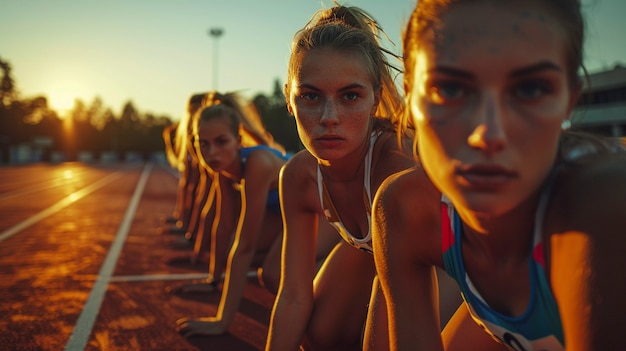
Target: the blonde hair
pixel 183 141
pixel 353 30
pixel 244 118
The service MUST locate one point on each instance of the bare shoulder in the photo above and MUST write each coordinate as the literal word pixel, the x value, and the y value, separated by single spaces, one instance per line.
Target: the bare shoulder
pixel 408 206
pixel 594 188
pixel 390 156
pixel 589 198
pixel 584 228
pixel 298 179
pixel 301 167
pixel 411 185
pixel 265 159
pixel 262 168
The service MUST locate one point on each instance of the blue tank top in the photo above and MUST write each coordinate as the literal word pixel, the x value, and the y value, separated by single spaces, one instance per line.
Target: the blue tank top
pixel 539 327
pixel 273 200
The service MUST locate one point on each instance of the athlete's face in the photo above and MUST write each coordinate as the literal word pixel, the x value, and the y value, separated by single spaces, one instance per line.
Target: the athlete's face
pixel 333 100
pixel 489 97
pixel 217 143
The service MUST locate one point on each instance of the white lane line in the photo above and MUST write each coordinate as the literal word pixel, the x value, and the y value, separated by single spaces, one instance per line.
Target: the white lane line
pixel 82 330
pixel 173 276
pixel 153 277
pixel 66 201
pixel 29 190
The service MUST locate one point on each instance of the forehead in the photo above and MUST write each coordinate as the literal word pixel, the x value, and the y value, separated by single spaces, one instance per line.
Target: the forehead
pixel 328 64
pixel 496 29
pixel 214 125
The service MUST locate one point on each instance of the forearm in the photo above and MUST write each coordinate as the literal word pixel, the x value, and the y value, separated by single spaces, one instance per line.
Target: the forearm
pixel 234 284
pixel 413 321
pixel 288 325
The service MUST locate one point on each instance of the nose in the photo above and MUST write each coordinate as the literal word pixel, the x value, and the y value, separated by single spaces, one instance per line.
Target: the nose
pixel 329 113
pixel 207 151
pixel 489 134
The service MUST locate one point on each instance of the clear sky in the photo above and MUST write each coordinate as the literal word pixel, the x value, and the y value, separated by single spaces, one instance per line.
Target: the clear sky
pixel 158 52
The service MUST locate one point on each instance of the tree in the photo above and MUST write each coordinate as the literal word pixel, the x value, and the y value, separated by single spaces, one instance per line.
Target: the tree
pixel 277 120
pixel 8 93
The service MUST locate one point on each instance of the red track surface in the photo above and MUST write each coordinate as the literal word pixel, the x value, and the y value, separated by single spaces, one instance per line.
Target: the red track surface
pixel 59 227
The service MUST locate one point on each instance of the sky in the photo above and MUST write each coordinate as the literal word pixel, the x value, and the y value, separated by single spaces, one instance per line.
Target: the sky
pixel 156 53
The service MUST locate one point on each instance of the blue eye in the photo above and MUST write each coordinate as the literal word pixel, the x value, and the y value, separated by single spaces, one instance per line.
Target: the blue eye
pixel 444 92
pixel 309 96
pixel 532 89
pixel 351 96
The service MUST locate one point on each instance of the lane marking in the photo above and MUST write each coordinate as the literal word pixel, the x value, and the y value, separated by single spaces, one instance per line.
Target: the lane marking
pixel 29 190
pixel 84 325
pixel 66 201
pixel 168 276
pixel 153 277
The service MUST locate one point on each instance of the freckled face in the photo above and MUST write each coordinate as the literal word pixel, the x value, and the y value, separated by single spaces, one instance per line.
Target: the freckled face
pixel 332 98
pixel 217 143
pixel 489 97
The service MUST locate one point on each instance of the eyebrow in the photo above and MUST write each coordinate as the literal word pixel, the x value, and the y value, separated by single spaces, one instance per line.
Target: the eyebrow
pixel 451 71
pixel 532 69
pixel 538 67
pixel 347 87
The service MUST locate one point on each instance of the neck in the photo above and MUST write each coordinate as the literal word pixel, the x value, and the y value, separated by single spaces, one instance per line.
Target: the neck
pixel 502 237
pixel 234 172
pixel 347 168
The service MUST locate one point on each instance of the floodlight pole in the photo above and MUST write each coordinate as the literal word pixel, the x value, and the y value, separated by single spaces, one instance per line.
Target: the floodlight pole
pixel 215 33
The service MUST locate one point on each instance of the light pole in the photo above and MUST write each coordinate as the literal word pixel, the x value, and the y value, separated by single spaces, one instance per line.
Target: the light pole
pixel 216 33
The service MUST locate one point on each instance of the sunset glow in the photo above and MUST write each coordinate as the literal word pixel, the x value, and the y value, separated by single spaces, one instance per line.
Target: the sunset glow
pixel 62 100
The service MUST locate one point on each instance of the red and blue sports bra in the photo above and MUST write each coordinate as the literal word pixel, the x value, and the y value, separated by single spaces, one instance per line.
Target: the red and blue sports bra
pixel 539 327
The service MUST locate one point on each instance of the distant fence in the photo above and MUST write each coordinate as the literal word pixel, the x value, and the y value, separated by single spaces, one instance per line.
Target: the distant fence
pixel 26 154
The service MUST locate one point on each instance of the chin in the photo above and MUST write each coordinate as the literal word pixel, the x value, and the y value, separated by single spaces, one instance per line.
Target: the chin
pixel 481 204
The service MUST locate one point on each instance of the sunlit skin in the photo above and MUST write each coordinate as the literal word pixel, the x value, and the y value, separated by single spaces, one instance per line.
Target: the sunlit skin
pixel 492 98
pixel 219 146
pixel 241 218
pixel 194 182
pixel 488 98
pixel 333 97
pixel 490 120
pixel 332 100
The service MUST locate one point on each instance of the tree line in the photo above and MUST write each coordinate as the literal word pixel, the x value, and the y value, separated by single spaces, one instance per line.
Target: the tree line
pixel 93 127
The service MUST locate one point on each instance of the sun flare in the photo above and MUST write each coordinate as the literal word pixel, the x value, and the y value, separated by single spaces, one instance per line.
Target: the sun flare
pixel 62 100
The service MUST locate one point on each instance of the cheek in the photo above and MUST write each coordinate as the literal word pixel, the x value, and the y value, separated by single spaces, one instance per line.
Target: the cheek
pixel 439 145
pixel 434 159
pixel 304 128
pixel 203 154
pixel 431 146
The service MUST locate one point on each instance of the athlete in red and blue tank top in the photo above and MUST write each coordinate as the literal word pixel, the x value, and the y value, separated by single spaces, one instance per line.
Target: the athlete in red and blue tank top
pixel 539 327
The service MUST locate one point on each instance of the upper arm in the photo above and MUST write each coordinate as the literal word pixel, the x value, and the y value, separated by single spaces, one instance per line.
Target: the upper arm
pixel 258 175
pixel 404 233
pixel 587 252
pixel 390 158
pixel 298 195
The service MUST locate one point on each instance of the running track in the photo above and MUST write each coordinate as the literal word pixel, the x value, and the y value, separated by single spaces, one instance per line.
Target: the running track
pixel 84 266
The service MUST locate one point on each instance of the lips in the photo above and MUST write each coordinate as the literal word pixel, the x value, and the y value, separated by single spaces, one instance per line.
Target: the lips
pixel 329 140
pixel 215 165
pixel 486 177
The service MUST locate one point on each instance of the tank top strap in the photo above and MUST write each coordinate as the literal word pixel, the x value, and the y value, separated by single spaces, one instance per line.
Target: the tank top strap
pixel 330 211
pixel 540 212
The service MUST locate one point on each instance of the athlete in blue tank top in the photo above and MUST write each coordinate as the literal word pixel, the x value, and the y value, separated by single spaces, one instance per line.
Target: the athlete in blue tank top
pixel 273 201
pixel 539 327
